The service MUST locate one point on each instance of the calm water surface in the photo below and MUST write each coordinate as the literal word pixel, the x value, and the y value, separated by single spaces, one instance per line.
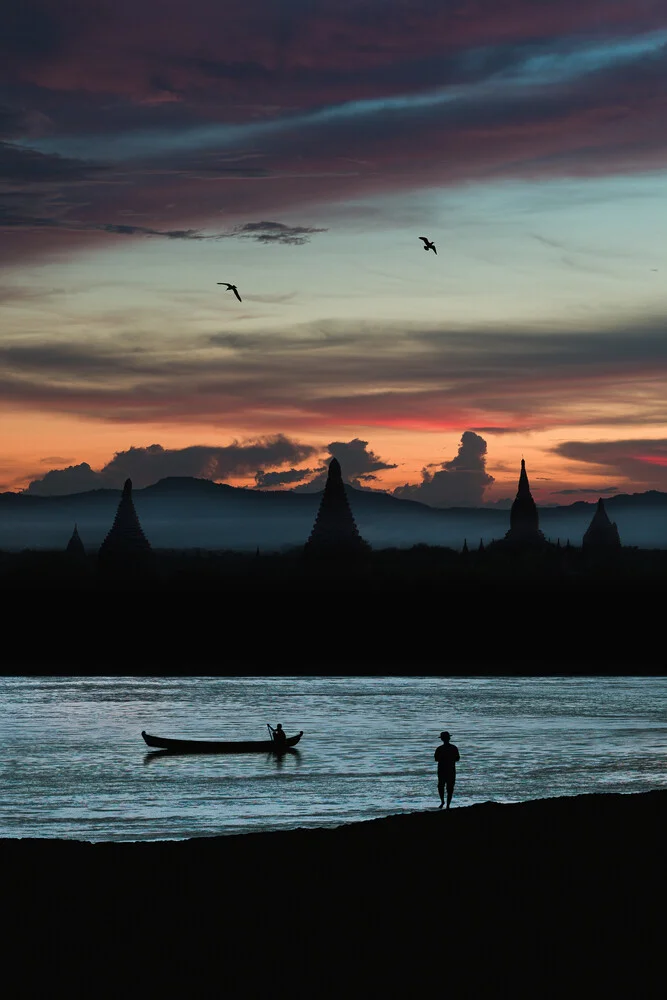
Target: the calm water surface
pixel 74 764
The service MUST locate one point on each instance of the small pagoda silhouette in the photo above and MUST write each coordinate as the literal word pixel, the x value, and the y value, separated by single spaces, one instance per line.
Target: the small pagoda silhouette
pixel 601 532
pixel 524 520
pixel 335 532
pixel 75 549
pixel 125 546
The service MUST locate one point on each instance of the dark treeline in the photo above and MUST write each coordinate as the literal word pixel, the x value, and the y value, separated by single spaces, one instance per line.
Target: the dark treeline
pixel 424 610
pixel 174 570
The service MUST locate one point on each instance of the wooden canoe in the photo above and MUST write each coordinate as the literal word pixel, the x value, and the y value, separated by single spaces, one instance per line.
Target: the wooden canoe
pixel 219 746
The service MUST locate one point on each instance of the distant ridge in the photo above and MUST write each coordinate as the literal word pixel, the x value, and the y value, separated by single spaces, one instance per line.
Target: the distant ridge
pixel 187 512
pixel 648 499
pixel 195 485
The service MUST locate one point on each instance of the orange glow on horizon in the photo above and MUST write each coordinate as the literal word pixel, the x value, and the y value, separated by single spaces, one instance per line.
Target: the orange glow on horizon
pixel 34 445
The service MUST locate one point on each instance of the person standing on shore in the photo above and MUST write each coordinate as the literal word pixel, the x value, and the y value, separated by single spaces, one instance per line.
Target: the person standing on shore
pixel 447 757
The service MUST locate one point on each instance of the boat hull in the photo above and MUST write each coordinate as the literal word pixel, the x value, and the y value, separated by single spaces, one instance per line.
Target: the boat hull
pixel 218 746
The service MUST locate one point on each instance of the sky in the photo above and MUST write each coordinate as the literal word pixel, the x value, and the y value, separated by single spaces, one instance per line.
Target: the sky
pixel 151 149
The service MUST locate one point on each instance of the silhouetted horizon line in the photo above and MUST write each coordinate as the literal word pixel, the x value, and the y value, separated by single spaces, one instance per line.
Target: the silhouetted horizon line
pixel 501 504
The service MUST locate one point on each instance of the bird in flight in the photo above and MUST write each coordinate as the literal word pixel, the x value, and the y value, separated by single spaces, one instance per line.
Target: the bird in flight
pixel 231 288
pixel 429 245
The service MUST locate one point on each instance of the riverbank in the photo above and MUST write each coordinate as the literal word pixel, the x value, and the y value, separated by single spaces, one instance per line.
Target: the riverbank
pixel 534 898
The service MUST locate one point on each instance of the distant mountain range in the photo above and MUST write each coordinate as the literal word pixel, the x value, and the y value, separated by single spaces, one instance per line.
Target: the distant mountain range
pixel 197 513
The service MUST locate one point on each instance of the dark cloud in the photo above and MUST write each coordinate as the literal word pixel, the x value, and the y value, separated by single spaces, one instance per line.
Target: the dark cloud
pixel 267 52
pixel 267 480
pixel 276 232
pixel 13 294
pixel 72 479
pixel 494 430
pixel 33 31
pixel 21 166
pixel 40 191
pixel 172 234
pixel 12 219
pixel 148 465
pixel 12 123
pixel 531 378
pixel 601 491
pixel 357 464
pixel 642 461
pixel 519 99
pixel 461 482
pixel 107 361
pixel 43 196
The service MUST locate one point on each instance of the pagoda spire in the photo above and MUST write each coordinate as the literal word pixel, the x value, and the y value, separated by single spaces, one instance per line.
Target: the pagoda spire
pixel 75 545
pixel 335 531
pixel 125 540
pixel 601 532
pixel 524 519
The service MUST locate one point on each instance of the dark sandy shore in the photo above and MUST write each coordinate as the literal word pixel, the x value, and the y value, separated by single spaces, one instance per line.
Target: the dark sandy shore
pixel 557 897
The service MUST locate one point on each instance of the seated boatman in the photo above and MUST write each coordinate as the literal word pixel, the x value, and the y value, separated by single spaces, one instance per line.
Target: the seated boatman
pixel 279 734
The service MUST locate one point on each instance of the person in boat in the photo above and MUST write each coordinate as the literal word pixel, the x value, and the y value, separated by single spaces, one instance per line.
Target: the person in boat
pixel 447 756
pixel 279 734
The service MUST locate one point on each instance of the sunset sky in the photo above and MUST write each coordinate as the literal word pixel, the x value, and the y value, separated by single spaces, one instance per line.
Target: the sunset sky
pixel 298 149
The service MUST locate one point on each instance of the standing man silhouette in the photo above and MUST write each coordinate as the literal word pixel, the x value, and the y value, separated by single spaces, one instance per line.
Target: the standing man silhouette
pixel 447 757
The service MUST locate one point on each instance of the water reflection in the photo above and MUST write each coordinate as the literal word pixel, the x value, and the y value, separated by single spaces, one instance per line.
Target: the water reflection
pixel 277 758
pixel 148 757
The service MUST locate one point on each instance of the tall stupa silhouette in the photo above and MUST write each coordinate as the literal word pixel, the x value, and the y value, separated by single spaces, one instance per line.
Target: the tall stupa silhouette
pixel 335 531
pixel 125 543
pixel 601 532
pixel 524 519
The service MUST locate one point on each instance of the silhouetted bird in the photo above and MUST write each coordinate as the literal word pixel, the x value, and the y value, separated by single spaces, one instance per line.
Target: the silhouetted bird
pixel 429 245
pixel 231 288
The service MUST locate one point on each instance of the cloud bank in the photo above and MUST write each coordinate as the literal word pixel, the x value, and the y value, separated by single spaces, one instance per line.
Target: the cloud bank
pixel 423 378
pixel 640 460
pixel 145 466
pixel 460 482
pixel 105 109
pixel 358 466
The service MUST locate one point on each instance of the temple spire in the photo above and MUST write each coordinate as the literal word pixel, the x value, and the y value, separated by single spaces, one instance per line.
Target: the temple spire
pixel 125 540
pixel 75 545
pixel 335 531
pixel 601 532
pixel 524 519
